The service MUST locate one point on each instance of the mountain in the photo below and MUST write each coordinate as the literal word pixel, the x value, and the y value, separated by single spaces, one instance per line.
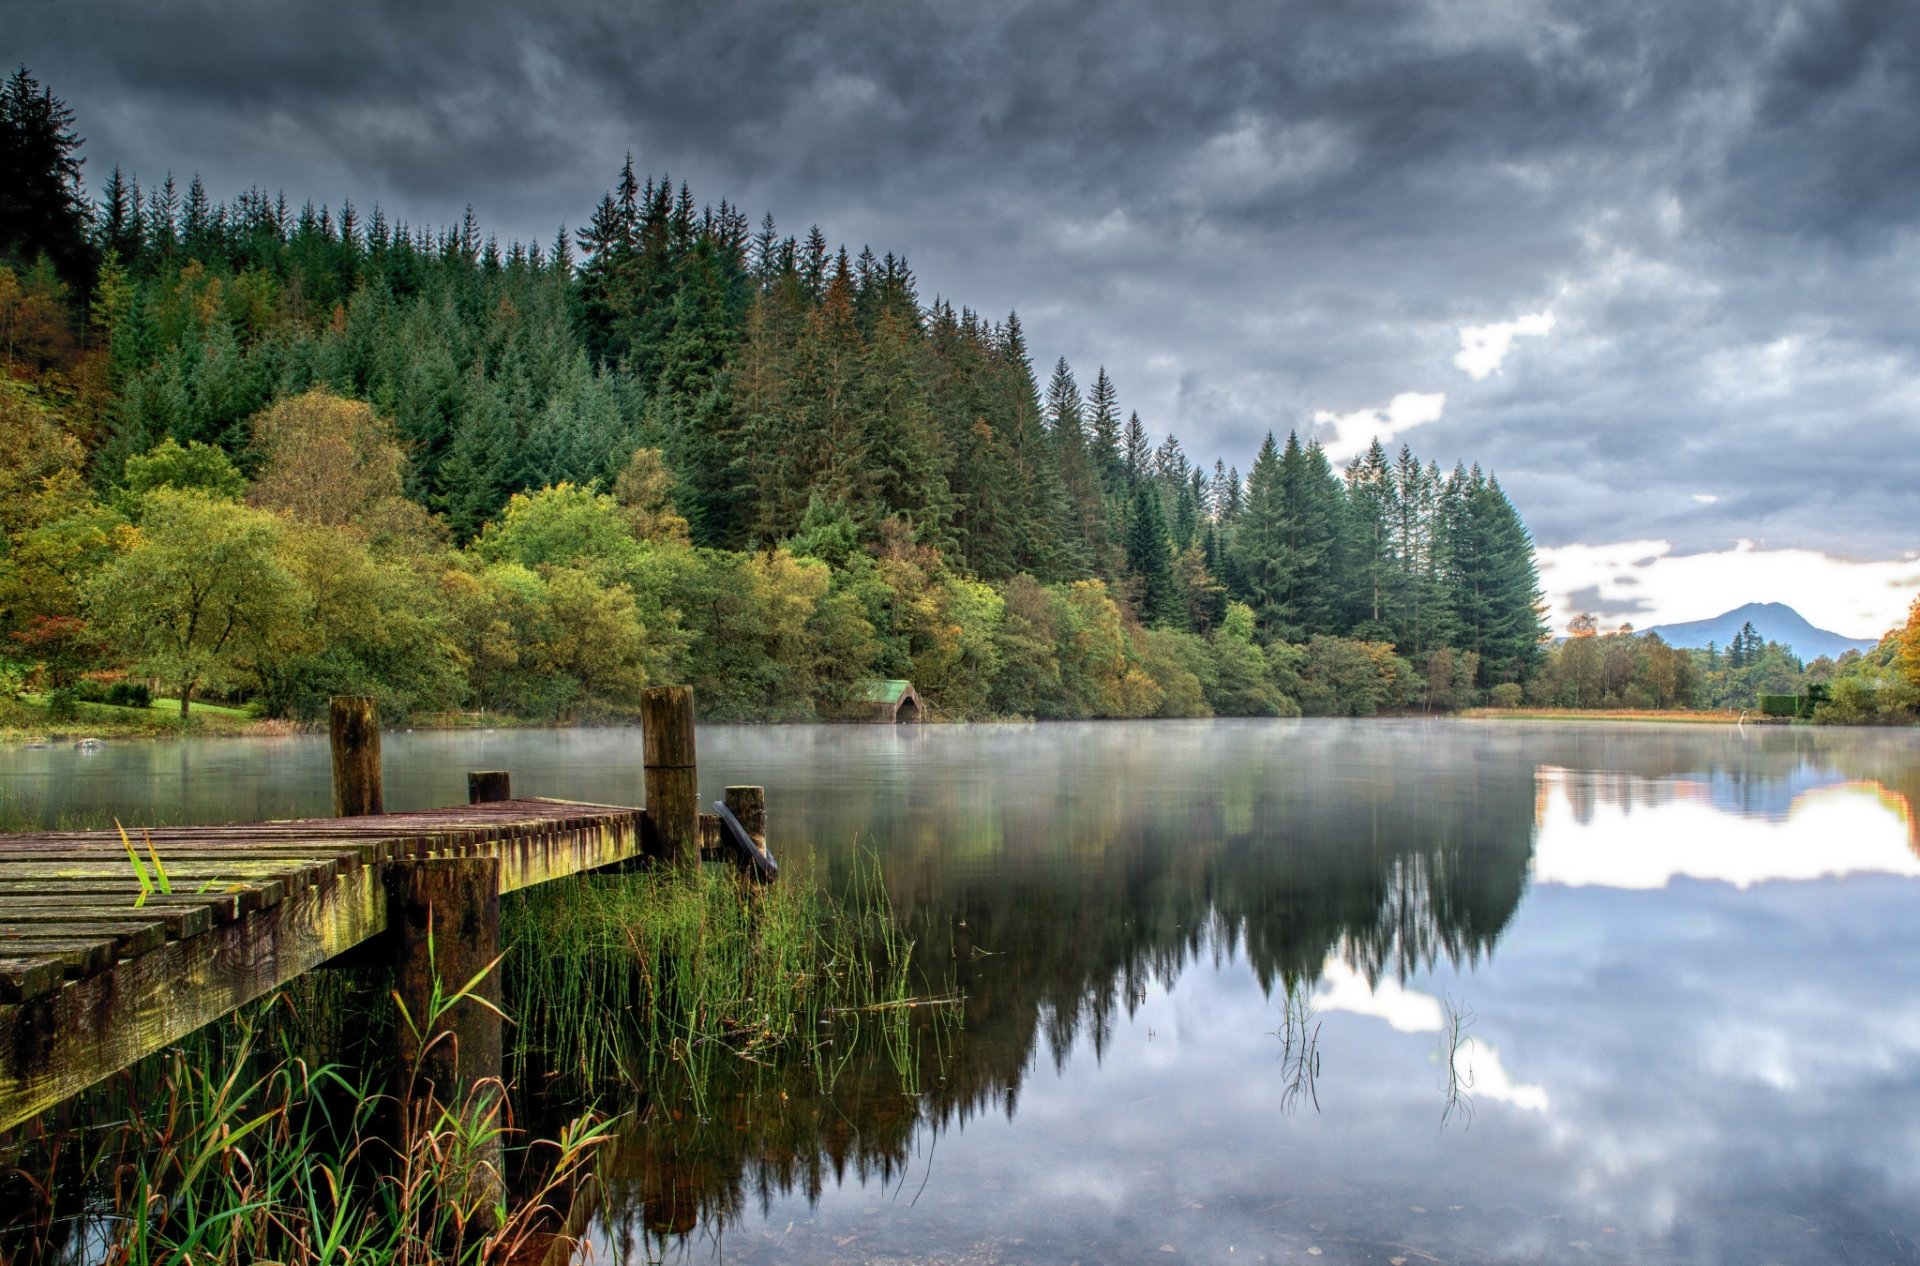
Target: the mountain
pixel 1776 621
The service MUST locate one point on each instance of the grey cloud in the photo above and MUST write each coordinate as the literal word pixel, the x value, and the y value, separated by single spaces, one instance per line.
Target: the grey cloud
pixel 1591 601
pixel 1246 212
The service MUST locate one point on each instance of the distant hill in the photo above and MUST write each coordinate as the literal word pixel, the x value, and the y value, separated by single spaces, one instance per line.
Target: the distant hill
pixel 1776 621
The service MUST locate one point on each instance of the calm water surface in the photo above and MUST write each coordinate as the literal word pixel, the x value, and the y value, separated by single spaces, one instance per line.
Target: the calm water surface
pixel 1395 992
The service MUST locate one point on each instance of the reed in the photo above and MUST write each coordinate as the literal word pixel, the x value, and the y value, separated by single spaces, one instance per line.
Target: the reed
pixel 237 1147
pixel 623 976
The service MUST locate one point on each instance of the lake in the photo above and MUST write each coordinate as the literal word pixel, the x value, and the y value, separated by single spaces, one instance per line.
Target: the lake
pixel 1374 991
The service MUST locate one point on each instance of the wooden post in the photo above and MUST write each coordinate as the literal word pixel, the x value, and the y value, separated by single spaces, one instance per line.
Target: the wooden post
pixel 354 723
pixel 672 779
pixel 484 786
pixel 444 918
pixel 749 804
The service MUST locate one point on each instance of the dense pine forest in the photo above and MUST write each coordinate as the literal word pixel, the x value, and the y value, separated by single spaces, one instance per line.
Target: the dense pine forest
pixel 267 453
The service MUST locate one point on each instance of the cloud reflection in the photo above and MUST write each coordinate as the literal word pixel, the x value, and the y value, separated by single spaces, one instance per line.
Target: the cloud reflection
pixel 1642 834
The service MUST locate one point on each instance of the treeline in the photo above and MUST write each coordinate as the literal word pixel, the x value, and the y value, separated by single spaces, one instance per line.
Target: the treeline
pixel 1623 669
pixel 826 478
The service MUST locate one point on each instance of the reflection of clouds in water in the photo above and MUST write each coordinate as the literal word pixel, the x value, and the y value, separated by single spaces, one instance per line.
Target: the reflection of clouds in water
pixel 1843 829
pixel 1476 1062
pixel 1344 989
pixel 1484 1077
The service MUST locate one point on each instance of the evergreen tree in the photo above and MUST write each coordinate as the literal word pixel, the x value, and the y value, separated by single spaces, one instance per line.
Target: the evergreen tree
pixel 43 209
pixel 1262 563
pixel 1368 557
pixel 1150 561
pixel 1104 438
pixel 1066 422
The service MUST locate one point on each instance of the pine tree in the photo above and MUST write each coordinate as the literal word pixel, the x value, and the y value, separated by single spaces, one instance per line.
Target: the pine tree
pixel 43 209
pixel 1137 454
pixel 1065 415
pixel 1262 562
pixel 1370 565
pixel 1150 561
pixel 1313 511
pixel 1104 433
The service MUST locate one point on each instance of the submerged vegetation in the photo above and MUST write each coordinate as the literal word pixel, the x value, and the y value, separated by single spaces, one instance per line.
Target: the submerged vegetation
pixel 284 1133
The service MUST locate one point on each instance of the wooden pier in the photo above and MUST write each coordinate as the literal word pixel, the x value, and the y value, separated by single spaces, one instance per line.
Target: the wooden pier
pixel 99 967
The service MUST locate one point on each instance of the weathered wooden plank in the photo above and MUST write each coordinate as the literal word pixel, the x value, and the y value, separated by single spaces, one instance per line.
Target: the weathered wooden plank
pixel 129 934
pixel 245 896
pixel 80 956
pixel 189 876
pixel 24 978
pixel 60 1042
pixel 348 853
pixel 178 918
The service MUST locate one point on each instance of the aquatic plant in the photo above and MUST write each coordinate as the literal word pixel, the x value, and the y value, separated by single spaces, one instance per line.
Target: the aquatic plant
pixel 625 975
pixel 1456 1053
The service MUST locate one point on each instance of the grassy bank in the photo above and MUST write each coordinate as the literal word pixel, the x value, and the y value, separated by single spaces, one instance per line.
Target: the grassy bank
pixel 26 720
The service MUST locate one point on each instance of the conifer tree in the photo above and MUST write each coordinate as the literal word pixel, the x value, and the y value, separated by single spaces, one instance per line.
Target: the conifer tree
pixel 1103 437
pixel 43 209
pixel 1150 560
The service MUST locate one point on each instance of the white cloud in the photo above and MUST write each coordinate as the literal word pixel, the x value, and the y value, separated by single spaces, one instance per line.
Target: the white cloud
pixel 1855 599
pixel 1483 347
pixel 1706 498
pixel 1351 433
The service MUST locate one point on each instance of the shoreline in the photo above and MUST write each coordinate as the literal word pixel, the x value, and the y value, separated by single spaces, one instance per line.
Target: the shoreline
pixel 25 725
pixel 1669 716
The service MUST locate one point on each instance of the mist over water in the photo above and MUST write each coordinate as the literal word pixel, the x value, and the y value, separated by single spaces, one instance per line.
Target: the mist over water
pixel 1419 990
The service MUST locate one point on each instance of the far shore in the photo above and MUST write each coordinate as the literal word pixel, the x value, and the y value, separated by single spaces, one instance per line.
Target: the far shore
pixel 1674 716
pixel 25 722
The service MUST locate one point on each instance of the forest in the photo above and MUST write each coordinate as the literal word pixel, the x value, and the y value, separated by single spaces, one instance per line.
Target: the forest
pixel 263 454
pixel 1592 668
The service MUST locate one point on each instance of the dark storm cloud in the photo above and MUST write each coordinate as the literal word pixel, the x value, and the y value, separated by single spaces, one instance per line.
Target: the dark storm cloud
pixel 1248 213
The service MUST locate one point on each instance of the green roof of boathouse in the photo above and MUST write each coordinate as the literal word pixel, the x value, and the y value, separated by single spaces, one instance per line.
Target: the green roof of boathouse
pixel 889 691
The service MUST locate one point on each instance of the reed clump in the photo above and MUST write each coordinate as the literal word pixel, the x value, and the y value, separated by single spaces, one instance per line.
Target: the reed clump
pixel 625 976
pixel 237 1147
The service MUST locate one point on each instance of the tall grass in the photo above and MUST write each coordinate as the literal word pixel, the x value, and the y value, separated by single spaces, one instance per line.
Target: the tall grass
pixel 626 976
pixel 237 1147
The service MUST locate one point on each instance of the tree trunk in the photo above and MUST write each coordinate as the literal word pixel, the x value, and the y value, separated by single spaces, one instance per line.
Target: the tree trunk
pixel 186 697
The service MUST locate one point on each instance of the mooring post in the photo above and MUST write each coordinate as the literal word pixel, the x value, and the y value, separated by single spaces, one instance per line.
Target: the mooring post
pixel 444 916
pixel 672 779
pixel 354 726
pixel 484 786
pixel 749 804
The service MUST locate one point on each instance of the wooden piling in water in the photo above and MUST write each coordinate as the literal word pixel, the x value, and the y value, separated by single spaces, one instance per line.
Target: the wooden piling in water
pixel 354 730
pixel 749 804
pixel 672 776
pixel 444 921
pixel 484 786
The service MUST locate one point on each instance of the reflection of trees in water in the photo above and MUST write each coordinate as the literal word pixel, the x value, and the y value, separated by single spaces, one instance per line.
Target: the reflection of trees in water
pixel 1058 873
pixel 1753 771
pixel 1059 881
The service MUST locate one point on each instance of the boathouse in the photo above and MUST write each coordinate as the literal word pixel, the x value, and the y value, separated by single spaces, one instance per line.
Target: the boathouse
pixel 894 702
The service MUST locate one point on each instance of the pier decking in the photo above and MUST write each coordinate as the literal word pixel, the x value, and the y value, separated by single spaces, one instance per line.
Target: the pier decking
pixel 94 975
pixel 104 961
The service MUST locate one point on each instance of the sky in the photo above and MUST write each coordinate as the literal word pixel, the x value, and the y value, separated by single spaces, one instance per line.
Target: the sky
pixel 1656 265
